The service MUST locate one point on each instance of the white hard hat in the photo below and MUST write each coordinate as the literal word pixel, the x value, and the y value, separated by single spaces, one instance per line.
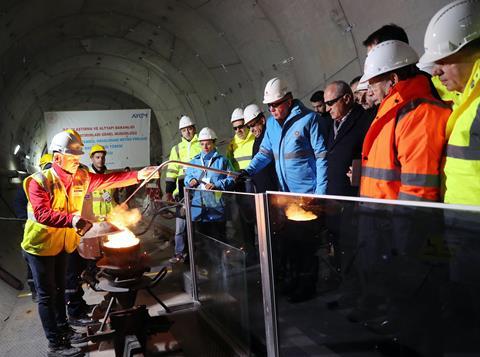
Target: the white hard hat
pixel 451 28
pixel 275 89
pixel 426 67
pixel 66 143
pixel 387 56
pixel 251 112
pixel 362 86
pixel 184 122
pixel 207 134
pixel 237 115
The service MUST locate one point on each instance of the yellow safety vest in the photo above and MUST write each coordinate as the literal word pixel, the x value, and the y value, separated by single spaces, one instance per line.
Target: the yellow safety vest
pixel 184 151
pixel 239 152
pixel 462 167
pixel 95 207
pixel 40 239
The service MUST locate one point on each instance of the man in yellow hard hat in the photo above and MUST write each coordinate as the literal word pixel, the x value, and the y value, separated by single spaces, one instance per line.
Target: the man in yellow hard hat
pixel 46 161
pixel 99 203
pixel 53 228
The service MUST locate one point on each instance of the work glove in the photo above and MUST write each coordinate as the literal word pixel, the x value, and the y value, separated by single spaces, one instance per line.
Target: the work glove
pixel 242 175
pixel 146 171
pixel 81 225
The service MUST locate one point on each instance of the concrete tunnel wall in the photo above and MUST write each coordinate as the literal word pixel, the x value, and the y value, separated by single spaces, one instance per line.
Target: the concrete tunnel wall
pixel 198 57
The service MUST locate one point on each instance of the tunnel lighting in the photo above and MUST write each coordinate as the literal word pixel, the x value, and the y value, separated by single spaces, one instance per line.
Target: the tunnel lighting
pixel 16 150
pixel 27 157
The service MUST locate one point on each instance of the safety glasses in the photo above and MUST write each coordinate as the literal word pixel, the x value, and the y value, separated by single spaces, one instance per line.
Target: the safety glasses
pixel 277 104
pixel 238 127
pixel 333 101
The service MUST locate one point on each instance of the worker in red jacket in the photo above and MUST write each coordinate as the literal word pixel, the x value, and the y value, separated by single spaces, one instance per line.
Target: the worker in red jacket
pixel 55 199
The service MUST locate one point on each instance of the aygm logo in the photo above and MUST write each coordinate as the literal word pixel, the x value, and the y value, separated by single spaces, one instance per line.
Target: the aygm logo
pixel 139 115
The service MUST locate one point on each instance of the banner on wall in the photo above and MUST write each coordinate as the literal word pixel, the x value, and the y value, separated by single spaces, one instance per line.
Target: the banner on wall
pixel 125 134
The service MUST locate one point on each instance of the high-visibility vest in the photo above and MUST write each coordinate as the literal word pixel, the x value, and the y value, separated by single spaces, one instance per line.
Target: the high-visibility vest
pixel 184 151
pixel 462 167
pixel 98 204
pixel 239 151
pixel 453 97
pixel 40 239
pixel 403 150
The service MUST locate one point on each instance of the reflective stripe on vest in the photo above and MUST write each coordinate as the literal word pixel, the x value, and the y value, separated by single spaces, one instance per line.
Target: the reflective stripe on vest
pixel 407 197
pixel 472 151
pixel 243 158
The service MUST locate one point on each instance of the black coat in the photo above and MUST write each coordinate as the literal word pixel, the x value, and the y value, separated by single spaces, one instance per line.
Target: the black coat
pixel 346 147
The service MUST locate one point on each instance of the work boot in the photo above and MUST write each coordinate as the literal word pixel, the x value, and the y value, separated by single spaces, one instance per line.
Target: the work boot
pixel 62 348
pixel 75 338
pixel 81 321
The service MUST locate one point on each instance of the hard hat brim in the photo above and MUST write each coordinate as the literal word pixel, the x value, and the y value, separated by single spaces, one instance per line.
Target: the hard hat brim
pixel 74 152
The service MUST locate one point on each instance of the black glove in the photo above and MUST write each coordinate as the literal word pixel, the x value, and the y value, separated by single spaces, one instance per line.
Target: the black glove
pixel 242 175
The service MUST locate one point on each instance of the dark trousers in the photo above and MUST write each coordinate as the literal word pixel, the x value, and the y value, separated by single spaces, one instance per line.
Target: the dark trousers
pixel 73 285
pixel 49 278
pixel 30 282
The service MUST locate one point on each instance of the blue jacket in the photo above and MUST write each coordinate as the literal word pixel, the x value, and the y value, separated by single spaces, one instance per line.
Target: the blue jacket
pixel 207 206
pixel 299 150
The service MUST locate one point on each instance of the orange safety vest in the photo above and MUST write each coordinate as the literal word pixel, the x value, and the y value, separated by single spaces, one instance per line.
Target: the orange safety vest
pixel 403 150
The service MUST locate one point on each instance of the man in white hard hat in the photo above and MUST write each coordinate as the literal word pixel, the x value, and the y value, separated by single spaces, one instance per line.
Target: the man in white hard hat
pixel 52 230
pixel 452 43
pixel 402 151
pixel 239 150
pixel 96 206
pixel 207 207
pixel 294 139
pixel 185 151
pixel 266 179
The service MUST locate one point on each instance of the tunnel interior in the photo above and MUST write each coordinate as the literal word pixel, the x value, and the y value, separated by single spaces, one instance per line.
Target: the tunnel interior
pixel 202 58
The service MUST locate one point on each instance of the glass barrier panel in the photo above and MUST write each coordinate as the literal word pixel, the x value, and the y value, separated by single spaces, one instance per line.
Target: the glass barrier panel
pixel 226 262
pixel 363 278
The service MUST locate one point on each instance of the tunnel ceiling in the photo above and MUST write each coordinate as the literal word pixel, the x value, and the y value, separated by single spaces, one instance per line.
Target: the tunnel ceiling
pixel 199 57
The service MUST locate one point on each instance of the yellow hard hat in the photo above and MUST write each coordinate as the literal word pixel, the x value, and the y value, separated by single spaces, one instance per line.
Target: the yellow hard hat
pixel 76 134
pixel 45 159
pixel 97 148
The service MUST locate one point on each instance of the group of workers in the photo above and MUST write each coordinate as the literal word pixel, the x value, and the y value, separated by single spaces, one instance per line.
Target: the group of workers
pixel 416 135
pixel 410 122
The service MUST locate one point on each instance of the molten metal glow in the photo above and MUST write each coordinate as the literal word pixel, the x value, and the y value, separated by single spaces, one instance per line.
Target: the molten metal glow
pixel 122 217
pixel 297 213
pixel 122 239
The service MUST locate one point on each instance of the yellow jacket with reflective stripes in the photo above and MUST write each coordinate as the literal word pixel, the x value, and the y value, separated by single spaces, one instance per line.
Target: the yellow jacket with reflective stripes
pixel 184 151
pixel 462 167
pixel 98 204
pixel 39 239
pixel 446 95
pixel 239 151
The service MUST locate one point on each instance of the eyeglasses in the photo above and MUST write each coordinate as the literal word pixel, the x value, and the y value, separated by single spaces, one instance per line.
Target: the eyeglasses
pixel 238 127
pixel 253 123
pixel 276 104
pixel 333 101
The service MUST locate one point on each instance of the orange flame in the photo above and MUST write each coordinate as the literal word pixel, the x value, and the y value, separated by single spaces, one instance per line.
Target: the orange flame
pixel 122 217
pixel 297 213
pixel 122 239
